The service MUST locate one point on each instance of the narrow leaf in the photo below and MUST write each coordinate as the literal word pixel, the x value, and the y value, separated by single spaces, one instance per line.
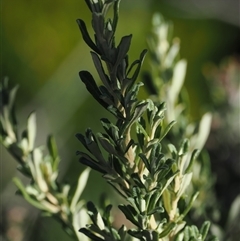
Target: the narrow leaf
pixel 91 86
pixel 123 48
pixel 86 37
pixel 82 181
pixel 91 235
pixel 167 129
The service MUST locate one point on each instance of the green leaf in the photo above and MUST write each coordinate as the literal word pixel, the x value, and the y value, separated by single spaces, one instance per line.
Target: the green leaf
pixel 167 230
pixel 81 138
pixel 204 129
pixel 91 86
pixel 177 80
pixel 100 70
pixel 138 181
pixel 82 181
pixel 27 197
pixel 93 212
pixel 137 70
pixel 153 200
pixel 86 36
pixel 186 180
pixel 130 143
pixel 145 160
pixel 122 48
pixel 130 213
pixel 173 150
pixel 192 159
pixel 184 147
pixel 17 152
pixel 90 143
pixel 187 209
pixel 187 234
pixel 98 26
pixel 111 129
pixel 106 144
pixel 131 96
pixel 88 161
pixel 156 210
pixel 52 147
pixel 167 129
pixel 119 191
pixel 91 235
pixel 12 96
pixel 122 232
pixel 107 215
pixel 88 2
pixel 204 229
pixel 138 111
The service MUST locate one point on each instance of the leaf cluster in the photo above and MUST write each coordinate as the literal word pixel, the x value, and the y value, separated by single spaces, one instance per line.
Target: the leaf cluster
pixel 152 178
pixel 44 191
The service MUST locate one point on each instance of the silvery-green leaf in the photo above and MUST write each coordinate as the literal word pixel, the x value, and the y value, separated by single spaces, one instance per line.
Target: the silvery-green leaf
pixel 37 159
pixel 130 213
pixel 23 191
pixel 31 130
pixel 122 232
pixel 12 96
pixel 192 159
pixel 187 234
pixel 179 73
pixel 167 230
pixel 80 219
pixel 200 139
pixel 51 198
pixel 184 147
pixel 169 180
pixel 32 191
pixel 234 213
pixel 107 145
pixel 204 229
pixel 82 181
pixel 186 179
pixel 180 237
pixel 167 129
pixel 172 149
pixel 138 68
pixel 24 145
pixel 53 178
pixel 157 209
pixel 137 180
pixel 145 160
pixel 65 190
pixel 100 222
pixel 50 207
pixel 172 53
pixel 179 227
pixel 46 168
pixel 167 200
pixel 8 126
pixel 52 148
pixel 7 142
pixel 91 235
pixel 138 111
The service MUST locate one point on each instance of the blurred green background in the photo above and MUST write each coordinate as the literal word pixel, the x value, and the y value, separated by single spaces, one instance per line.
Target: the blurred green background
pixel 42 51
